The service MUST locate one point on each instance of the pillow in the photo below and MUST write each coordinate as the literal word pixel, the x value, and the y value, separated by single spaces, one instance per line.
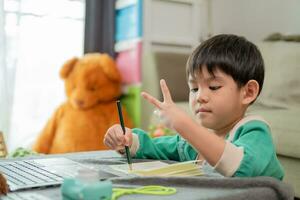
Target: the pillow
pixel 282 78
pixel 285 128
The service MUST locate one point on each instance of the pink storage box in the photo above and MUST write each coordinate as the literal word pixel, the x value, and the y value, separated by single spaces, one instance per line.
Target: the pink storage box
pixel 129 63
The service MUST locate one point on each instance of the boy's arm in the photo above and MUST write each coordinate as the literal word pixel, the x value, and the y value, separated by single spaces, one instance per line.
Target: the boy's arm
pixel 162 148
pixel 259 155
pixel 210 145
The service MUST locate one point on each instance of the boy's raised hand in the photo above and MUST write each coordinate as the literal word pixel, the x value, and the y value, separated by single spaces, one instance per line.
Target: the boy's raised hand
pixel 115 139
pixel 168 109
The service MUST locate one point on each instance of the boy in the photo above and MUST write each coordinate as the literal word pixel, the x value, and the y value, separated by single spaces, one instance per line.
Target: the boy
pixel 225 75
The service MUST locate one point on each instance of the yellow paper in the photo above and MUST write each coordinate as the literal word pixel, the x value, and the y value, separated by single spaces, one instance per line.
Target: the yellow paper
pixel 158 168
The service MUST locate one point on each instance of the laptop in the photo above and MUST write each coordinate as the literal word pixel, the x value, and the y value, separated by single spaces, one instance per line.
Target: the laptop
pixel 25 174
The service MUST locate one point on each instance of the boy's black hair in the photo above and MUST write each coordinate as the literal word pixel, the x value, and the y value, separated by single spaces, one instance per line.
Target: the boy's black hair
pixel 234 55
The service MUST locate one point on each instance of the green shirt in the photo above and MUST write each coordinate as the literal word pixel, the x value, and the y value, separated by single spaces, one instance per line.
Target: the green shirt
pixel 259 158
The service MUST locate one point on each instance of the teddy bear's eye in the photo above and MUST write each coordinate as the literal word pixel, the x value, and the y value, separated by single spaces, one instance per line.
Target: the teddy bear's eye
pixel 92 89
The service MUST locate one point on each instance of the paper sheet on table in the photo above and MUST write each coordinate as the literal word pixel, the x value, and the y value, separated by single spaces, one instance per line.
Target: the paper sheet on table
pixel 158 168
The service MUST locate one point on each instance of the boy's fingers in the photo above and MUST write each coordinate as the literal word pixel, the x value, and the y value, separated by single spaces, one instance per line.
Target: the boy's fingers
pixel 126 142
pixel 128 137
pixel 152 100
pixel 117 137
pixel 165 91
pixel 107 141
pixel 119 147
pixel 114 135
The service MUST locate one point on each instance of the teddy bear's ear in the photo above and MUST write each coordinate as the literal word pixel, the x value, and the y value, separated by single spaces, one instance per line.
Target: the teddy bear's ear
pixel 67 67
pixel 110 68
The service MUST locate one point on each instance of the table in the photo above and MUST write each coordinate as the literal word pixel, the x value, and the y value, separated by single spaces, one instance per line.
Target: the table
pixel 204 187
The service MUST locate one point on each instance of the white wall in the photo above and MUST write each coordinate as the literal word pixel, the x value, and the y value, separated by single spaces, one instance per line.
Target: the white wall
pixel 255 19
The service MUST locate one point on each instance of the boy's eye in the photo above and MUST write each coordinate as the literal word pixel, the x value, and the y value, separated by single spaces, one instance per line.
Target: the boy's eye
pixel 214 87
pixel 194 90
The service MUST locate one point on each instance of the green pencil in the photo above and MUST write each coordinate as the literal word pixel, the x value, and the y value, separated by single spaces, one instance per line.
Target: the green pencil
pixel 123 128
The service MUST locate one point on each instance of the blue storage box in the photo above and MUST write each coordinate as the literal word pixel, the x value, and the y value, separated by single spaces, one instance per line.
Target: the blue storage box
pixel 129 21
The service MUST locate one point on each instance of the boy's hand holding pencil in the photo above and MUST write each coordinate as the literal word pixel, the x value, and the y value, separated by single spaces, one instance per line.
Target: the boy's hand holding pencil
pixel 118 136
pixel 116 140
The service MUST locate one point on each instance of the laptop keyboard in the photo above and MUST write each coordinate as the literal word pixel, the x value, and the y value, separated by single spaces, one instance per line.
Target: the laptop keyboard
pixel 27 174
pixel 22 196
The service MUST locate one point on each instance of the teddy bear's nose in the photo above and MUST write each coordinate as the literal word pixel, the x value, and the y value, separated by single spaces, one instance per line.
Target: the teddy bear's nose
pixel 80 103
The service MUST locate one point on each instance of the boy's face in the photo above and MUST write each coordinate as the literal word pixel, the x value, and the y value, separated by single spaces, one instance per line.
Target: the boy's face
pixel 215 100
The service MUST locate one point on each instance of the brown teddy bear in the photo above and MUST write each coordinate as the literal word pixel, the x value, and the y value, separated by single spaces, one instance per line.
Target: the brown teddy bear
pixel 92 84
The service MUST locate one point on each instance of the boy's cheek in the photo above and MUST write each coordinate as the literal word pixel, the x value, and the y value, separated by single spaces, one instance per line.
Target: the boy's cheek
pixel 192 102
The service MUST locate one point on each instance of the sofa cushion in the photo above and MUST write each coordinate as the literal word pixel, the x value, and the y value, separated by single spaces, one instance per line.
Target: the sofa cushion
pixel 282 62
pixel 285 128
pixel 292 172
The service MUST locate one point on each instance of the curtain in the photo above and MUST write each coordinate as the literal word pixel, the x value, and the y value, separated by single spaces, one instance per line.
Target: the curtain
pixel 6 78
pixel 37 37
pixel 99 26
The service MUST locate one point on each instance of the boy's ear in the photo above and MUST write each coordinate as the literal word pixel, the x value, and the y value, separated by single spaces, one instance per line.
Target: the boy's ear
pixel 250 92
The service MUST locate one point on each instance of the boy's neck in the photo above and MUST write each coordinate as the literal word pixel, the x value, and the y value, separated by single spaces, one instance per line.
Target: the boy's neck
pixel 225 130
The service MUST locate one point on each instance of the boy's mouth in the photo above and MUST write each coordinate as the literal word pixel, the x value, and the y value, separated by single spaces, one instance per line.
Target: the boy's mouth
pixel 202 110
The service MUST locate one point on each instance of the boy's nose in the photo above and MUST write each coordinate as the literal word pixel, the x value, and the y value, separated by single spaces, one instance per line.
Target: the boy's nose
pixel 202 97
